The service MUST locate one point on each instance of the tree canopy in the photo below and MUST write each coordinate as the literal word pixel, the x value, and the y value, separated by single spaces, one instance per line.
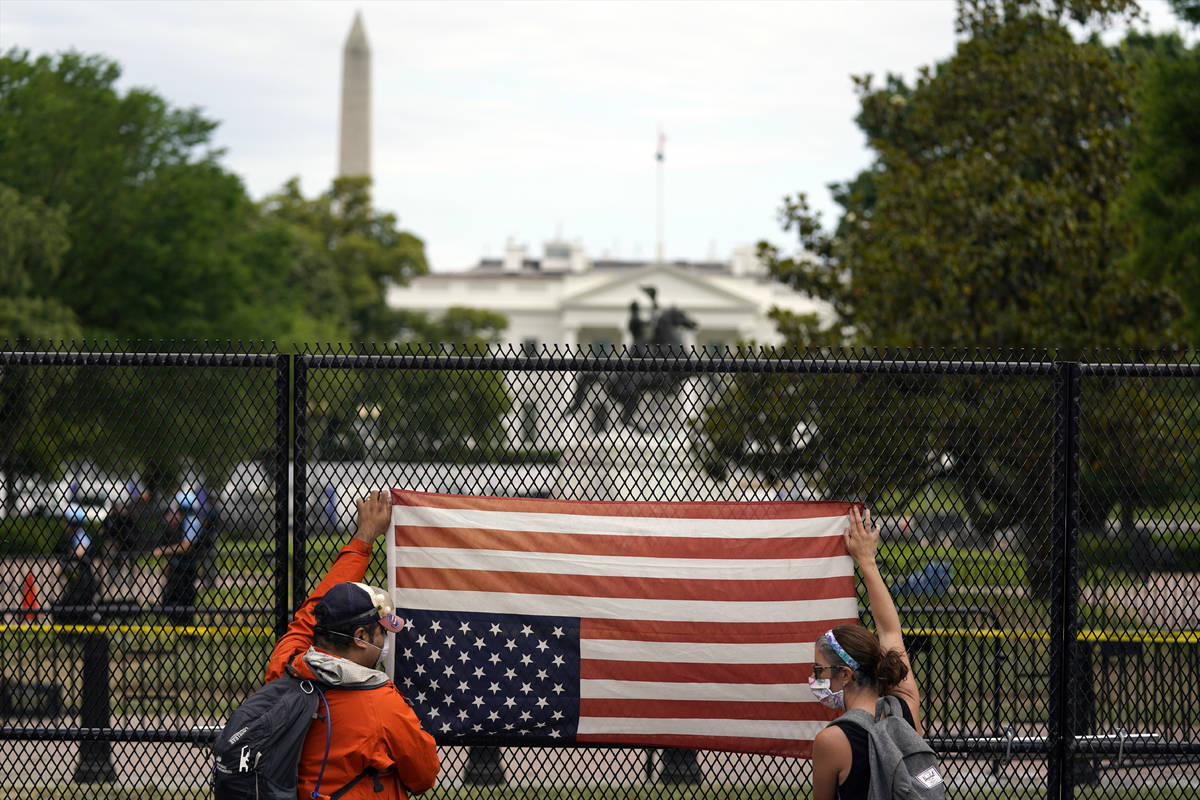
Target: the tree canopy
pixel 1162 200
pixel 163 241
pixel 988 219
pixel 346 255
pixel 118 221
pixel 152 219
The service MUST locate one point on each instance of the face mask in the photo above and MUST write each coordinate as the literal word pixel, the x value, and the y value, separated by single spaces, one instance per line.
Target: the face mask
pixel 383 651
pixel 820 689
pixel 383 654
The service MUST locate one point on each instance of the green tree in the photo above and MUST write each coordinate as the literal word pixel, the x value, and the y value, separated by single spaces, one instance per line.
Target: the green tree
pixel 346 255
pixel 125 225
pixel 1162 198
pixel 164 244
pixel 417 415
pixel 986 220
pixel 32 242
pixel 1188 10
pixel 155 224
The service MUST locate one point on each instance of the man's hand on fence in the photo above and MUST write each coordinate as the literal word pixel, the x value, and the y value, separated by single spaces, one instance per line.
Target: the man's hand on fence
pixel 374 515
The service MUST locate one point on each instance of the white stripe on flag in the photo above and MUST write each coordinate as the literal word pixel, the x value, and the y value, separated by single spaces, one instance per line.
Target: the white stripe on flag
pixel 570 564
pixel 696 652
pixel 740 692
pixel 619 526
pixel 627 608
pixel 726 728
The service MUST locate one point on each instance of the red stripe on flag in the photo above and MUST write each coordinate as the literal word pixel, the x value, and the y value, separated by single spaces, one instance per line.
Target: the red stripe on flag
pixel 666 672
pixel 695 589
pixel 642 630
pixel 792 748
pixel 701 709
pixel 606 508
pixel 598 544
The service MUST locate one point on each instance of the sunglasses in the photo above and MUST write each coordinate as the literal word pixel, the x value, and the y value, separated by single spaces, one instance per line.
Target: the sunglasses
pixel 819 668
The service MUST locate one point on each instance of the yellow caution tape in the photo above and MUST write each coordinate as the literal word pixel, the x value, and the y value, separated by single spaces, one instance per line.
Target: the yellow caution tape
pixel 1142 637
pixel 158 630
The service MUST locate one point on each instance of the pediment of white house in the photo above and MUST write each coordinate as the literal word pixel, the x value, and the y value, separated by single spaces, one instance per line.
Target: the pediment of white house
pixel 675 287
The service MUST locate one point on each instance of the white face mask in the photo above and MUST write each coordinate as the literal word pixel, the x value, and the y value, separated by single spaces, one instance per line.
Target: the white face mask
pixel 383 651
pixel 820 689
pixel 383 654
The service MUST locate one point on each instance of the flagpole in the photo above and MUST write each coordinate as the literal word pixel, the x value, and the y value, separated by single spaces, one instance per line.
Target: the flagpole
pixel 659 157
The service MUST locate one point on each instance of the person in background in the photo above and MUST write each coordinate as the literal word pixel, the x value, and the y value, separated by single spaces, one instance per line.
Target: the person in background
pixel 183 556
pixel 78 571
pixel 339 634
pixel 210 526
pixel 853 668
pixel 118 531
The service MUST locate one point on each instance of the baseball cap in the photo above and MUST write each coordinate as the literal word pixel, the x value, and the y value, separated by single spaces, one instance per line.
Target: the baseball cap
pixel 349 602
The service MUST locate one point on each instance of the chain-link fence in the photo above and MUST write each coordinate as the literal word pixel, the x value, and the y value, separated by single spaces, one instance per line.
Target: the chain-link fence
pixel 164 512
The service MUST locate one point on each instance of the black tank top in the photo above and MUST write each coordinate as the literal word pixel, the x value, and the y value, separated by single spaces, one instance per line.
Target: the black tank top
pixel 858 781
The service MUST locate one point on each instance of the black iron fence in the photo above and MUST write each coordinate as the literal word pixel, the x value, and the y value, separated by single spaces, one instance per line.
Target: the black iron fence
pixel 1041 534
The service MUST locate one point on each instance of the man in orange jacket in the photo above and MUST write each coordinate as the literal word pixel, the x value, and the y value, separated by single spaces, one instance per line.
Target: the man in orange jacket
pixel 338 636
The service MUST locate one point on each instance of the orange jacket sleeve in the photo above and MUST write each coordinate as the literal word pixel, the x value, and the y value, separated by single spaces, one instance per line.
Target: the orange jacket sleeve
pixel 349 565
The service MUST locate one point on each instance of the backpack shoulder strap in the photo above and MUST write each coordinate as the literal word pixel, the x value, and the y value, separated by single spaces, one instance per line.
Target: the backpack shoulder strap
pixel 889 706
pixel 859 717
pixel 319 690
pixel 374 773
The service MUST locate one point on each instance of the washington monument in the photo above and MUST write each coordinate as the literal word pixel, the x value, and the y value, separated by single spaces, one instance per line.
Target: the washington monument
pixel 354 151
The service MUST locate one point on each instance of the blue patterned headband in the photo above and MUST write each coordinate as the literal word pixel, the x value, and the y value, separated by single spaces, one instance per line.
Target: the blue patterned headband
pixel 837 648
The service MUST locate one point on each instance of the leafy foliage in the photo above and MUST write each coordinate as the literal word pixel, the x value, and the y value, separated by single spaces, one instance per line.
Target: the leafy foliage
pixel 417 415
pixel 33 240
pixel 152 219
pixel 986 220
pixel 1162 200
pixel 346 254
pixel 118 221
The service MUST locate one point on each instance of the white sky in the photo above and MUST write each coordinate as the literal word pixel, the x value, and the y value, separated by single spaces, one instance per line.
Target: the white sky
pixel 520 119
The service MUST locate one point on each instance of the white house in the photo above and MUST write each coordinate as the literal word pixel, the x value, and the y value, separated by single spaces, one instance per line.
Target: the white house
pixel 565 298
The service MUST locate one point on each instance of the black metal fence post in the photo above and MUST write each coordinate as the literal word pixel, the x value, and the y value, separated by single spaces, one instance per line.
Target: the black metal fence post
pixel 279 472
pixel 680 766
pixel 1065 587
pixel 485 766
pixel 95 755
pixel 299 479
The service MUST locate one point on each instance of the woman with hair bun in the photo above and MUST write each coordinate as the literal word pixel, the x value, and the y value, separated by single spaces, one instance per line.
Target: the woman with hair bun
pixel 853 668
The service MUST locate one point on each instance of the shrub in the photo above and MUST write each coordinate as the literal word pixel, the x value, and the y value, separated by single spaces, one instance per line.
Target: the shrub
pixel 30 536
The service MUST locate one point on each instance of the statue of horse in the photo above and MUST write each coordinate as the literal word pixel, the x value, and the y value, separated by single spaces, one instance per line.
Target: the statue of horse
pixel 626 388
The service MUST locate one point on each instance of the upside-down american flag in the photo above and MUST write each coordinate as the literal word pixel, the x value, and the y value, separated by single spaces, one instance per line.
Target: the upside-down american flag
pixel 655 624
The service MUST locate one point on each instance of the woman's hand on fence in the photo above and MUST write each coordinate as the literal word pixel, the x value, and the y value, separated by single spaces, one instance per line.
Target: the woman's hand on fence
pixel 374 515
pixel 862 540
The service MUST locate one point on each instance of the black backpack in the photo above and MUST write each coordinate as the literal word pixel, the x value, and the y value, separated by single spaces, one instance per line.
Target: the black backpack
pixel 257 754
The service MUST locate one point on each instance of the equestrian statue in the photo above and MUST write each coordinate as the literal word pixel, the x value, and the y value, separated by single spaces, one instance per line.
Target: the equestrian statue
pixel 660 333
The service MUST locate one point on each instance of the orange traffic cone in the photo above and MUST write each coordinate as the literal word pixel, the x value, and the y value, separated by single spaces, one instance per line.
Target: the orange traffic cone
pixel 30 603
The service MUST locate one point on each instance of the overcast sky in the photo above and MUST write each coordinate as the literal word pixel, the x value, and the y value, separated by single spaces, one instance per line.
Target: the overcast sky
pixel 522 119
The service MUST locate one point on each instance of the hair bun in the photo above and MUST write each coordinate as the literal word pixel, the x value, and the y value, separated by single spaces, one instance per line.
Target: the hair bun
pixel 890 669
